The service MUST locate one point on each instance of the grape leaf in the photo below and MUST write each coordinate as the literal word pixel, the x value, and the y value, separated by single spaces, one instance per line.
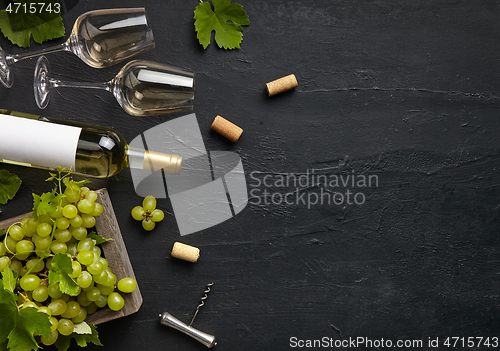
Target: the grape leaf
pixel 8 279
pixel 225 19
pixel 8 312
pixel 30 322
pixel 59 273
pixel 97 238
pixel 63 342
pixel 9 185
pixel 19 24
pixel 19 326
pixel 45 203
pixel 82 328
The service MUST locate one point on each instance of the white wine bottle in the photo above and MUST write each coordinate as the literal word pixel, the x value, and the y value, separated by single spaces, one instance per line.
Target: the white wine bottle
pixel 96 151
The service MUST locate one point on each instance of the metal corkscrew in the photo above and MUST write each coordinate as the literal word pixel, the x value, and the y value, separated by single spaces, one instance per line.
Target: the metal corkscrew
pixel 169 320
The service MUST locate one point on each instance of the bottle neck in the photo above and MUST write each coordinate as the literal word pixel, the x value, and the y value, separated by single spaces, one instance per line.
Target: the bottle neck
pixel 154 161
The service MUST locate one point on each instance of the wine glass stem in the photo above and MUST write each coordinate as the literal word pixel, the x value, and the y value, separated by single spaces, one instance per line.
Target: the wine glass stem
pixel 55 83
pixel 17 57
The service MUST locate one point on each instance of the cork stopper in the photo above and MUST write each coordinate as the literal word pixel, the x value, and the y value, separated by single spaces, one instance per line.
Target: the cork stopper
pixel 281 85
pixel 227 129
pixel 185 252
pixel 157 161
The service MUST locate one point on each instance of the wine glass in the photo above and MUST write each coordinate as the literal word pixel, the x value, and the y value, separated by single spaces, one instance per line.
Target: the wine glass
pixel 142 88
pixel 100 38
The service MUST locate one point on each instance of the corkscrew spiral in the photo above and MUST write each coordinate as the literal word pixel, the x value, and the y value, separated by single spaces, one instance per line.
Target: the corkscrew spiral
pixel 202 301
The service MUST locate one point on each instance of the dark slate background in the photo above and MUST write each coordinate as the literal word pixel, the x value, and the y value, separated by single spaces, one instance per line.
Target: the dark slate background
pixel 403 90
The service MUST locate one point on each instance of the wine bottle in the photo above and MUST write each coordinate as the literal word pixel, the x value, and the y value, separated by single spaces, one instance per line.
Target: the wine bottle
pixel 96 151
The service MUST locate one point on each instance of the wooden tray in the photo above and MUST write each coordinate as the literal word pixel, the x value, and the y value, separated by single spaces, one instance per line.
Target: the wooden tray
pixel 116 254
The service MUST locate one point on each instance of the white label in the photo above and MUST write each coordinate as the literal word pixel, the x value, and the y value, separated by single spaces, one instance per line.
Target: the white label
pixel 38 143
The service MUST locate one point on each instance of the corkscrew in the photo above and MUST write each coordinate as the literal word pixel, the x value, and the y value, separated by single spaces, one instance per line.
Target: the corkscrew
pixel 169 320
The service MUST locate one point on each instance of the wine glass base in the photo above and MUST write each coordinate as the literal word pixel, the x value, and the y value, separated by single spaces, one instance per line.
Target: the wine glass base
pixel 6 76
pixel 41 84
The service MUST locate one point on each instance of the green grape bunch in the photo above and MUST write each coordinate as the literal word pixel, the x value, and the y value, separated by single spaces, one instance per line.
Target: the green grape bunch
pixel 148 213
pixel 51 262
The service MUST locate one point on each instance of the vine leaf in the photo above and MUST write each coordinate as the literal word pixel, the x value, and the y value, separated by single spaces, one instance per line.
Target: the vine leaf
pixel 226 19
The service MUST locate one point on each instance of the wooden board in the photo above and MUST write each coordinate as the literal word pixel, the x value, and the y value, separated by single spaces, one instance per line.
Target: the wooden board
pixel 116 254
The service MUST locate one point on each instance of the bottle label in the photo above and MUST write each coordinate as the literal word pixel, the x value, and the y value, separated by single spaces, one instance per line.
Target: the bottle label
pixel 38 143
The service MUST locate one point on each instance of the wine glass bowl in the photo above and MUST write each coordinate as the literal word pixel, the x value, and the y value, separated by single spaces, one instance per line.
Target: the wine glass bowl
pixel 142 88
pixel 145 88
pixel 100 38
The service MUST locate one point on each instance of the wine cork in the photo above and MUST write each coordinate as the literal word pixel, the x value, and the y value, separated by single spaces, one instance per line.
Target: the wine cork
pixel 185 252
pixel 281 85
pixel 226 128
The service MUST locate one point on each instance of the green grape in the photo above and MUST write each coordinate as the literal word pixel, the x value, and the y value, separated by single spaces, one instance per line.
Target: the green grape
pixel 44 229
pixel 84 280
pixel 54 291
pixel 45 310
pixel 26 228
pixel 149 203
pixel 54 214
pixel 65 326
pixel 148 224
pixel 10 244
pixel 24 247
pixel 3 249
pixel 91 195
pixel 109 279
pixel 76 221
pixel 104 262
pixel 85 257
pixel 85 244
pixel 57 307
pixel 31 225
pixel 102 301
pixel 88 221
pixel 16 266
pixel 83 191
pixel 93 294
pixel 115 301
pixel 79 233
pixel 72 310
pixel 91 308
pixel 31 304
pixel 77 269
pixel 53 323
pixel 51 339
pixel 97 250
pixel 101 278
pixel 127 285
pixel 82 315
pixel 98 210
pixel 16 232
pixel 36 265
pixel 72 250
pixel 83 300
pixel 58 247
pixel 63 235
pixel 62 223
pixel 86 206
pixel 157 215
pixel 45 219
pixel 42 242
pixel 138 213
pixel 29 282
pixel 4 262
pixel 41 293
pixel 95 268
pixel 69 211
pixel 72 194
pixel 65 297
pixel 105 290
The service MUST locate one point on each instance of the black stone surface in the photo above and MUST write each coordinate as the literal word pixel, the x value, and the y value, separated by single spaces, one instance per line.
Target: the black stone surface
pixel 403 91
